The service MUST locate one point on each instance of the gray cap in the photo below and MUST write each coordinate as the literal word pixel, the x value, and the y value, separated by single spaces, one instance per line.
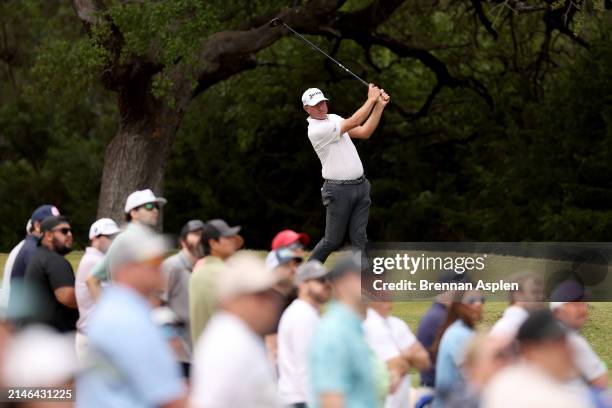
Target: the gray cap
pixel 348 264
pixel 216 228
pixel 191 226
pixel 138 244
pixel 310 270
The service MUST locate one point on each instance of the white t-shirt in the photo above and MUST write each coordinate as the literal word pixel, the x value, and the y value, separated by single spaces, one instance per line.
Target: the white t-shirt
pixel 508 326
pixel 295 331
pixel 85 301
pixel 6 278
pixel 526 386
pixel 230 367
pixel 588 364
pixel 338 155
pixel 388 337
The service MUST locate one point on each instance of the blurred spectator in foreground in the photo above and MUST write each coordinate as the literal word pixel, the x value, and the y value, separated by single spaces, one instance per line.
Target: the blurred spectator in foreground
pixel 452 343
pixel 573 314
pixel 130 364
pixel 101 234
pixel 141 209
pixel 25 254
pixel 529 296
pixel 295 331
pixel 230 367
pixel 394 343
pixel 177 272
pixel 49 280
pixel 540 378
pixel 485 356
pixel 219 242
pixel 430 325
pixel 40 357
pixel 341 362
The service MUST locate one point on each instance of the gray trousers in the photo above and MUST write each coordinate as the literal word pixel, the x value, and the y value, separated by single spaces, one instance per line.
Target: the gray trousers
pixel 347 205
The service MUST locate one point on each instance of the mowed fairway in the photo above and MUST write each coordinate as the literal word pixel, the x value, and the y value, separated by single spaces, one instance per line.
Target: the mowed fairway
pixel 598 330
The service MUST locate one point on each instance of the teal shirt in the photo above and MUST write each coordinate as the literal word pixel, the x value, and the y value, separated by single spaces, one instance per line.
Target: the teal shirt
pixel 340 359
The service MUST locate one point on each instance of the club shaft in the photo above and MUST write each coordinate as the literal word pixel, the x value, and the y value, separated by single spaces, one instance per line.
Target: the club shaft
pixel 324 53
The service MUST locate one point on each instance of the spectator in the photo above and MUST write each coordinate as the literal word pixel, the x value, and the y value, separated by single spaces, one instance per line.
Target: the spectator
pixel 291 239
pixel 295 330
pixel 101 234
pixel 430 325
pixel 177 271
pixel 49 279
pixel 131 365
pixel 538 380
pixel 219 242
pixel 451 344
pixel 141 208
pixel 230 364
pixel 341 363
pixel 15 301
pixel 8 270
pixel 394 343
pixel 529 296
pixel 573 315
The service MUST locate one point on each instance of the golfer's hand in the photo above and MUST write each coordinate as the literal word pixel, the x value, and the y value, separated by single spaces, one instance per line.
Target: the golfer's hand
pixel 383 98
pixel 373 92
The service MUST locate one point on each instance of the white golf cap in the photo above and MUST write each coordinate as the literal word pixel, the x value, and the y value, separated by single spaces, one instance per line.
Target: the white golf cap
pixel 142 197
pixel 281 256
pixel 312 96
pixel 139 244
pixel 244 274
pixel 104 226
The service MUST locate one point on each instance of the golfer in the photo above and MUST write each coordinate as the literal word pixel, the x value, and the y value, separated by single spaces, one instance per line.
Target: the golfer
pixel 346 191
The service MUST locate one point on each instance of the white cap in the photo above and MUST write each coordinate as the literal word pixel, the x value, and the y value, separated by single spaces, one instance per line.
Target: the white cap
pixel 281 256
pixel 104 226
pixel 138 244
pixel 244 274
pixel 556 305
pixel 312 96
pixel 141 197
pixel 39 357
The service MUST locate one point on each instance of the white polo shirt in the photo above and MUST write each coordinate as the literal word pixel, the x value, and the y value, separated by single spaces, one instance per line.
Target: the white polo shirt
pixel 338 155
pixel 295 331
pixel 231 368
pixel 508 326
pixel 388 337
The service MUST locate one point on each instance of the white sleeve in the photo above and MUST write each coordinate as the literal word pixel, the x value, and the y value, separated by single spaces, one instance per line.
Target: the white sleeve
pixel 588 363
pixel 301 341
pixel 322 132
pixel 402 334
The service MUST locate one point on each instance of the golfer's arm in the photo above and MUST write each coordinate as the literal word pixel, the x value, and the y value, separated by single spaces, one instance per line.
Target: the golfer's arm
pixel 358 117
pixel 365 131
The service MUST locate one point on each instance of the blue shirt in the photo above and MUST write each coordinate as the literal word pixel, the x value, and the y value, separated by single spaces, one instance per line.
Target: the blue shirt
pixel 451 355
pixel 428 329
pixel 131 364
pixel 340 359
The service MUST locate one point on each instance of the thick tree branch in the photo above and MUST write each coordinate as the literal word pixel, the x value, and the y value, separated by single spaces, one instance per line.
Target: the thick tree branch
pixel 483 18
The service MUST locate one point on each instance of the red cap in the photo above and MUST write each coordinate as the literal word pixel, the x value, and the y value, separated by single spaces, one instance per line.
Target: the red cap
pixel 288 237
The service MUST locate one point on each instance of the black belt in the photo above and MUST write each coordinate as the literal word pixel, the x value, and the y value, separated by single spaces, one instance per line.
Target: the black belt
pixel 355 181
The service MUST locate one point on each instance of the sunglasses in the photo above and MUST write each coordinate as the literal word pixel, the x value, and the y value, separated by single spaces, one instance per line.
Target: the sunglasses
pixel 64 231
pixel 322 280
pixel 151 206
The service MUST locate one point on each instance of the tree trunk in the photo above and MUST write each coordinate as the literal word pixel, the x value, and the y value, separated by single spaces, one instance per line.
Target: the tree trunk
pixel 136 157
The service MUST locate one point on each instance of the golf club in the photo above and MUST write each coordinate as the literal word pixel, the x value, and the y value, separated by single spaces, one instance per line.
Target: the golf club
pixel 277 22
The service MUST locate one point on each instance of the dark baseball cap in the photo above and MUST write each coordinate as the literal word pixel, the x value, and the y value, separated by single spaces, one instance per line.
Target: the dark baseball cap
pixel 191 226
pixel 216 228
pixel 51 222
pixel 541 326
pixel 43 212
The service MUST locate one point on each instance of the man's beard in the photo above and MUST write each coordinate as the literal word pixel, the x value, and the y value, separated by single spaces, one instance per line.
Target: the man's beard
pixel 61 248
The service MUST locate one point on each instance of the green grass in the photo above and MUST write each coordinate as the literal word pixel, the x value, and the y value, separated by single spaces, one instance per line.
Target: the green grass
pixel 598 330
